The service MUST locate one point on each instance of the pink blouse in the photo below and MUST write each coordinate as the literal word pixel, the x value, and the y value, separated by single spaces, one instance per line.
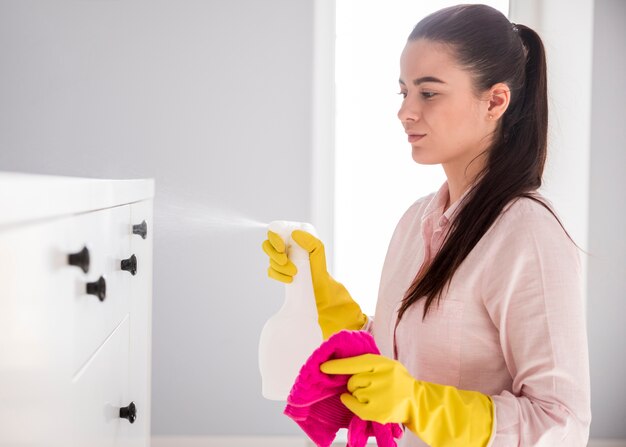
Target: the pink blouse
pixel 511 325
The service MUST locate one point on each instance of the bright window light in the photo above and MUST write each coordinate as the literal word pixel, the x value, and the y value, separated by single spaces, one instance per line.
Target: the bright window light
pixel 376 179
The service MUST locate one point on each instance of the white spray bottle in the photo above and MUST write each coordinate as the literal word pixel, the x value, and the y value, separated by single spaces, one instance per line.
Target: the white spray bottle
pixel 292 334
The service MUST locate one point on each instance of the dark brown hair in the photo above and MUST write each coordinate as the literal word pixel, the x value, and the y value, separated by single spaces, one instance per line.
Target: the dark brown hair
pixel 492 49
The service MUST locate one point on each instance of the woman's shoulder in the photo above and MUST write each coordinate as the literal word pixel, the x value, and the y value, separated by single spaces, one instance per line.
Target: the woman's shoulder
pixel 533 206
pixel 531 216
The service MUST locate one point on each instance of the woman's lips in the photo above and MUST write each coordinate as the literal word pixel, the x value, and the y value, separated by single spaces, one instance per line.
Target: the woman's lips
pixel 415 137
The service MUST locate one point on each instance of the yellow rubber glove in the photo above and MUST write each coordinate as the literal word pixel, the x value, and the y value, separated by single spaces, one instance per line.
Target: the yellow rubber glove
pixel 382 390
pixel 281 268
pixel 336 310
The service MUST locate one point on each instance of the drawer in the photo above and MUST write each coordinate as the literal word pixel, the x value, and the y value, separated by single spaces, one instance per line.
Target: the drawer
pixel 106 234
pixel 99 390
pixel 35 334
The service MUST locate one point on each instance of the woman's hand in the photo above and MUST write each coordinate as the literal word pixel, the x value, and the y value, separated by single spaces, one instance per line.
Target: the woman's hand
pixel 281 267
pixel 382 390
pixel 336 310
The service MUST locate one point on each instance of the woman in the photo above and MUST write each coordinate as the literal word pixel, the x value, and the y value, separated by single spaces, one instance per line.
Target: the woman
pixel 480 316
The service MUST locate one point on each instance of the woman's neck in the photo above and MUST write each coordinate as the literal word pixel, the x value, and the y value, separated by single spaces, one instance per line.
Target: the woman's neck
pixel 456 190
pixel 460 178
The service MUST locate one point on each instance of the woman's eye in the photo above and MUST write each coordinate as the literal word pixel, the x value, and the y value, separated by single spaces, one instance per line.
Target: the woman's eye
pixel 425 95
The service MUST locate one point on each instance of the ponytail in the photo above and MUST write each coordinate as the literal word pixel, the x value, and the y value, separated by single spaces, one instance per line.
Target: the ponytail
pixel 526 123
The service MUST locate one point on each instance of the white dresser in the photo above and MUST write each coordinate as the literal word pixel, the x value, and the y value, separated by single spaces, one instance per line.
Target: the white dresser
pixel 75 311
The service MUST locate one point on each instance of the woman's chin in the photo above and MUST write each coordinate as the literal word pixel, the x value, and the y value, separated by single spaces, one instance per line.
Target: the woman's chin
pixel 420 156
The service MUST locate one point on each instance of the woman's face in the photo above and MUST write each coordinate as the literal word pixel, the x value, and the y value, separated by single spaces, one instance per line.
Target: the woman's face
pixel 444 120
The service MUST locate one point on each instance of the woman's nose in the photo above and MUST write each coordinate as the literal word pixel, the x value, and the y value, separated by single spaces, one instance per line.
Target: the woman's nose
pixel 408 112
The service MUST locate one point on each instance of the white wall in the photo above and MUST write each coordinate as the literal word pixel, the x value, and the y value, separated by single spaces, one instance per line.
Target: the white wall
pixel 211 98
pixel 606 308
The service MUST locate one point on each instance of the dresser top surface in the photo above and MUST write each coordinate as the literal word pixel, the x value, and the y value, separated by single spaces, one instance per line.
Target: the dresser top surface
pixel 28 197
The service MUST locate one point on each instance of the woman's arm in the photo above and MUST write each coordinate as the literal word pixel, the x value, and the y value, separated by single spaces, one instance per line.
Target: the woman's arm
pixel 533 293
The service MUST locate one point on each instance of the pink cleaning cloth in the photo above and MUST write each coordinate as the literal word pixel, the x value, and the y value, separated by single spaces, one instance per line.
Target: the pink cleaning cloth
pixel 314 401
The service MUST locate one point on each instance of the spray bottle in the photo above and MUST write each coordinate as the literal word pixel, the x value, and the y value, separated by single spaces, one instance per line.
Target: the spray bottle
pixel 292 334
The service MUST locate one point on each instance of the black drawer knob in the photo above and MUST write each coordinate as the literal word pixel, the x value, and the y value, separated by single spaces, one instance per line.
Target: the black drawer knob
pixel 141 229
pixel 80 259
pixel 130 265
pixel 129 412
pixel 98 288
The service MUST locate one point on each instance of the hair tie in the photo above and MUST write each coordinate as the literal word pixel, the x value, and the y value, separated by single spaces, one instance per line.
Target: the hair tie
pixel 515 29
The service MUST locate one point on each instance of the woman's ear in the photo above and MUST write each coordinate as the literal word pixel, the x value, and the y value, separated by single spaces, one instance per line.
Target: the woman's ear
pixel 498 97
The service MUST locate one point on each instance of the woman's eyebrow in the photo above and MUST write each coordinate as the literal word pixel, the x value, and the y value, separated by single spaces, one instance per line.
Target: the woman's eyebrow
pixel 418 81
